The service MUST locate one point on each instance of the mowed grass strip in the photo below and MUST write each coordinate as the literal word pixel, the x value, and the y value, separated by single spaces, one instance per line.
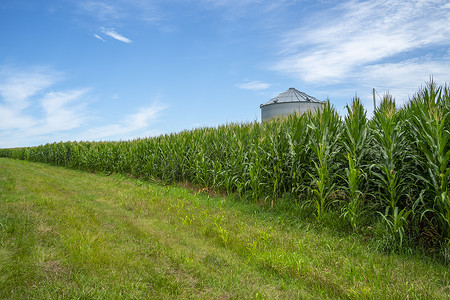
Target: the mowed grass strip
pixel 69 234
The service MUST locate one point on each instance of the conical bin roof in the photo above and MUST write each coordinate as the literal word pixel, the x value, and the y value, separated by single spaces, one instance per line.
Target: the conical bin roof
pixel 292 95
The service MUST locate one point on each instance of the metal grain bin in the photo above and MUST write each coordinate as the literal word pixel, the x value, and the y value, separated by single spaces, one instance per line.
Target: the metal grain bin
pixel 289 102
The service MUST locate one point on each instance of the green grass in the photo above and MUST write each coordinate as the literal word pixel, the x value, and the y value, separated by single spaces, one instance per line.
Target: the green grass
pixel 69 234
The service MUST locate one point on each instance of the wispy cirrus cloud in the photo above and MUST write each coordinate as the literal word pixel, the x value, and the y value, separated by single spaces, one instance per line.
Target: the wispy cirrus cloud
pixel 16 86
pixel 13 120
pixel 99 37
pixel 402 79
pixel 131 126
pixel 33 111
pixel 64 110
pixel 361 37
pixel 254 85
pixel 115 35
pixel 29 111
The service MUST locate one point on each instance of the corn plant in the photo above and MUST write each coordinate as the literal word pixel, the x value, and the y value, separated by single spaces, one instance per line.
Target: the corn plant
pixel 429 119
pixel 275 150
pixel 397 222
pixel 298 156
pixel 355 138
pixel 391 173
pixel 353 208
pixel 390 144
pixel 325 129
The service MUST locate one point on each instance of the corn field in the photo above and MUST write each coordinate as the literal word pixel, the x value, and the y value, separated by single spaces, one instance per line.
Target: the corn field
pixel 394 166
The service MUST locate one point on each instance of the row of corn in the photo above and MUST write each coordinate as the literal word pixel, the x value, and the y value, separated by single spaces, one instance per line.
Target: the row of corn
pixel 394 165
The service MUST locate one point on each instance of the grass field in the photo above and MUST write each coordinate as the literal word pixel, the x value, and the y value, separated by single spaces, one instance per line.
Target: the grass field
pixel 70 234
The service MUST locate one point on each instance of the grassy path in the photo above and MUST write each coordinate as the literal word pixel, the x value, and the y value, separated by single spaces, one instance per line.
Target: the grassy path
pixel 68 234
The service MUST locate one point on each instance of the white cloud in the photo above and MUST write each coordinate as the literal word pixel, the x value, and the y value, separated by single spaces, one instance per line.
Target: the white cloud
pixel 62 111
pixel 54 128
pixel 400 74
pixel 99 37
pixel 254 85
pixel 58 115
pixel 12 119
pixel 144 117
pixel 360 34
pixel 132 126
pixel 16 86
pixel 29 113
pixel 402 79
pixel 115 35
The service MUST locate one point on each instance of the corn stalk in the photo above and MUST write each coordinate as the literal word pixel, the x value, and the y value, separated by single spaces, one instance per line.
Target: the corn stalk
pixel 355 139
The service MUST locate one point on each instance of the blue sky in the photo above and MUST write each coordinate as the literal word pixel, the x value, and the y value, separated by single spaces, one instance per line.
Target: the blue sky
pixel 122 69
